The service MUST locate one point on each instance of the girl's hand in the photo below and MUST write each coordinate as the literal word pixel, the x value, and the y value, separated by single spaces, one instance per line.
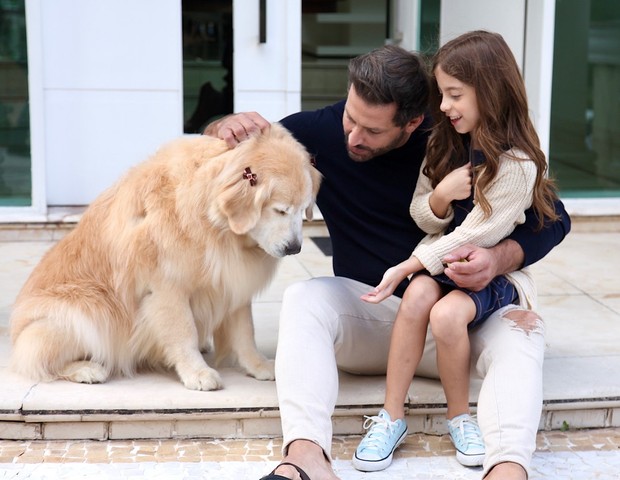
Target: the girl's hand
pixel 456 185
pixel 391 279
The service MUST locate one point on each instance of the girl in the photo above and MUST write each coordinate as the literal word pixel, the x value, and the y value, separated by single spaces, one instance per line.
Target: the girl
pixel 483 169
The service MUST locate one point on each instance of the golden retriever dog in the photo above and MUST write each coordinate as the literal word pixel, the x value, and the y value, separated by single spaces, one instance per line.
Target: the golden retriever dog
pixel 164 265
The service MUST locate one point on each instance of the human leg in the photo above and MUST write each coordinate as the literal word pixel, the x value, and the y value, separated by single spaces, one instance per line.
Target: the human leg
pixel 387 430
pixel 449 319
pixel 508 352
pixel 323 325
pixel 407 341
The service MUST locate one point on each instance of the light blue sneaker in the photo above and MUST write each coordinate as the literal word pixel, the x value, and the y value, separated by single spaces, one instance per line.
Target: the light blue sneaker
pixel 467 440
pixel 375 451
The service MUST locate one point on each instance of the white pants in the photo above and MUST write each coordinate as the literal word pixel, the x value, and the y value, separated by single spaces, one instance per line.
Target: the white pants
pixel 325 326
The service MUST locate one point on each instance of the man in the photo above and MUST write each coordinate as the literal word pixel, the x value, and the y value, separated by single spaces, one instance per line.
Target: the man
pixel 369 149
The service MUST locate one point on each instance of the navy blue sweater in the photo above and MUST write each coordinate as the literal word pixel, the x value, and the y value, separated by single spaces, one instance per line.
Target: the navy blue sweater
pixel 366 204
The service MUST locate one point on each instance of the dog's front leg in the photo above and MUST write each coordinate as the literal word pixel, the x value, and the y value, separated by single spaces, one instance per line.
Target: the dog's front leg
pixel 235 337
pixel 166 317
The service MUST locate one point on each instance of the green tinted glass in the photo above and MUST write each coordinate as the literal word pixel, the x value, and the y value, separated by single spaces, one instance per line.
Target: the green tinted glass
pixel 585 111
pixel 15 165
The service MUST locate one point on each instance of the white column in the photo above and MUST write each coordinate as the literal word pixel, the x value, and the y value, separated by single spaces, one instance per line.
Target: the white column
pixel 267 76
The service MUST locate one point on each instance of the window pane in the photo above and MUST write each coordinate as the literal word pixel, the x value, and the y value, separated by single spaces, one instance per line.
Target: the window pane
pixel 585 108
pixel 207 62
pixel 332 32
pixel 429 26
pixel 15 171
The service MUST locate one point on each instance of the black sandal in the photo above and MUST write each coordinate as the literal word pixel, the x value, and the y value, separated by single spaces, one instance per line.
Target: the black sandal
pixel 274 476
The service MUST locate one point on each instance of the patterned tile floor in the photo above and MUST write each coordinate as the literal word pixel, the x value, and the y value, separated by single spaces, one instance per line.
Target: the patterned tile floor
pixel 571 455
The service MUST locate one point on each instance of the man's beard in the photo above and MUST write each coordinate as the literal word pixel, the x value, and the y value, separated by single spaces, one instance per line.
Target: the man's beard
pixel 369 153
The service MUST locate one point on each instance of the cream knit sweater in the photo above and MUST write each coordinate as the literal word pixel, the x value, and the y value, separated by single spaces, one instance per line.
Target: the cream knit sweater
pixel 509 195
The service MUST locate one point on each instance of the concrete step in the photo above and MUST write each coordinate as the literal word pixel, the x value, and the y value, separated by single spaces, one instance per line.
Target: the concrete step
pixel 579 298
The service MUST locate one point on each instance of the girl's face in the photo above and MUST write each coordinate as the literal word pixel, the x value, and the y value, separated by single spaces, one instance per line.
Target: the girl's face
pixel 458 102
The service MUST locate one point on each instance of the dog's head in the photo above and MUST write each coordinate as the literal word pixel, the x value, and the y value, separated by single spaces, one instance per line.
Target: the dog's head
pixel 271 182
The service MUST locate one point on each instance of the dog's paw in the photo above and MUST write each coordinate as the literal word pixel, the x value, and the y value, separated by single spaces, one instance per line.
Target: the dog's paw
pixel 263 371
pixel 84 372
pixel 205 379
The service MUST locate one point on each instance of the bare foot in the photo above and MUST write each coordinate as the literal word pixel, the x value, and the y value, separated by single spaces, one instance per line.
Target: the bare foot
pixel 310 458
pixel 507 471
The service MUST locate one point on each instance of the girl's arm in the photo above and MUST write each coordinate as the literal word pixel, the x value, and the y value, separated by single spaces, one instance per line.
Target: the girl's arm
pixel 509 195
pixel 431 208
pixel 391 279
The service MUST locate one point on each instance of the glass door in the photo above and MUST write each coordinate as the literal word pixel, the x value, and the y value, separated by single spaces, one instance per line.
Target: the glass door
pixel 333 32
pixel 207 62
pixel 585 108
pixel 15 161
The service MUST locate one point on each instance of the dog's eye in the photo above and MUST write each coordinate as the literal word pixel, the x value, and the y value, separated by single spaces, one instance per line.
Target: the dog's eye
pixel 280 211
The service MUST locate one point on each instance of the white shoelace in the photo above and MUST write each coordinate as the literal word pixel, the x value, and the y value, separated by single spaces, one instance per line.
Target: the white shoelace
pixel 379 436
pixel 469 431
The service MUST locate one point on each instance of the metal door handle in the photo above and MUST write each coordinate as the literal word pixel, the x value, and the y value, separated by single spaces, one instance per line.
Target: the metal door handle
pixel 262 21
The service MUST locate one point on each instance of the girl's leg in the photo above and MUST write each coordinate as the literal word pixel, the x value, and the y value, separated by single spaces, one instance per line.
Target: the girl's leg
pixel 407 341
pixel 449 319
pixel 388 429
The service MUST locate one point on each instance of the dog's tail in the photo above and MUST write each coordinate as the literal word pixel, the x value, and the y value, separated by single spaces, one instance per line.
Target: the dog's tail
pixel 53 339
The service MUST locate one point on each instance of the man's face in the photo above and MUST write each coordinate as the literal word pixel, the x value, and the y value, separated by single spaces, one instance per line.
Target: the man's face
pixel 369 129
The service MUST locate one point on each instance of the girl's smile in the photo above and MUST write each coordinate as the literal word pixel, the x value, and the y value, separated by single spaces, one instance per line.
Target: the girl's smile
pixel 458 102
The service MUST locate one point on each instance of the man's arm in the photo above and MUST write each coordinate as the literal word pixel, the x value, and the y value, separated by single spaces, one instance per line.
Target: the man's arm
pixel 474 267
pixel 525 246
pixel 538 243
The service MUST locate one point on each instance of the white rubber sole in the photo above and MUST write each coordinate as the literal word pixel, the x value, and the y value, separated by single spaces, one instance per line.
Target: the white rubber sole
pixel 470 460
pixel 377 465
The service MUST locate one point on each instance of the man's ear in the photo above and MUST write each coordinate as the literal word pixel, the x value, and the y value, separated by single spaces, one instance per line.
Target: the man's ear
pixel 414 123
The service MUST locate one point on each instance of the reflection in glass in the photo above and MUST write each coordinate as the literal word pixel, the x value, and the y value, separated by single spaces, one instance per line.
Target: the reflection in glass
pixel 15 165
pixel 585 108
pixel 207 62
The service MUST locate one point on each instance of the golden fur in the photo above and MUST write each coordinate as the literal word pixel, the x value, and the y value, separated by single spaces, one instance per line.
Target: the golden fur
pixel 165 263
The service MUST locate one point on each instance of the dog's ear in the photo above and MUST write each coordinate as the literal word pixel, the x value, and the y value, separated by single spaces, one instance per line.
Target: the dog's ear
pixel 315 177
pixel 242 200
pixel 242 215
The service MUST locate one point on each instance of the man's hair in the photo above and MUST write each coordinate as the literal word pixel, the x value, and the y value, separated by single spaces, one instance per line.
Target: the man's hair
pixel 391 74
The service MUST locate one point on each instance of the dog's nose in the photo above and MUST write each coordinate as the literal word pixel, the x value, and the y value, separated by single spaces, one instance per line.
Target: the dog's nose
pixel 292 249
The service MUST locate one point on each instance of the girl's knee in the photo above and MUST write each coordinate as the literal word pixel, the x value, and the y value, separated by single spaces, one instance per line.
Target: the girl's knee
pixel 447 320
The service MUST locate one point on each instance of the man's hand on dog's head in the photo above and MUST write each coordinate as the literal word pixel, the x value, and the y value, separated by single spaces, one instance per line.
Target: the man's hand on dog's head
pixel 236 128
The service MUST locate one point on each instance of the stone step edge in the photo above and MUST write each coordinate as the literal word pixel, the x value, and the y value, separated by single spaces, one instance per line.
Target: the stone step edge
pixel 266 423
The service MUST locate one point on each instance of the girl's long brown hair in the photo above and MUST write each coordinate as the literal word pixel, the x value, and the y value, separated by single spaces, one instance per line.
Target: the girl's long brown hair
pixel 484 61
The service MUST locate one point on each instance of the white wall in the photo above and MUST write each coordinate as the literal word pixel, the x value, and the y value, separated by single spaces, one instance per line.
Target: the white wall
pixel 506 17
pixel 538 67
pixel 112 89
pixel 267 76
